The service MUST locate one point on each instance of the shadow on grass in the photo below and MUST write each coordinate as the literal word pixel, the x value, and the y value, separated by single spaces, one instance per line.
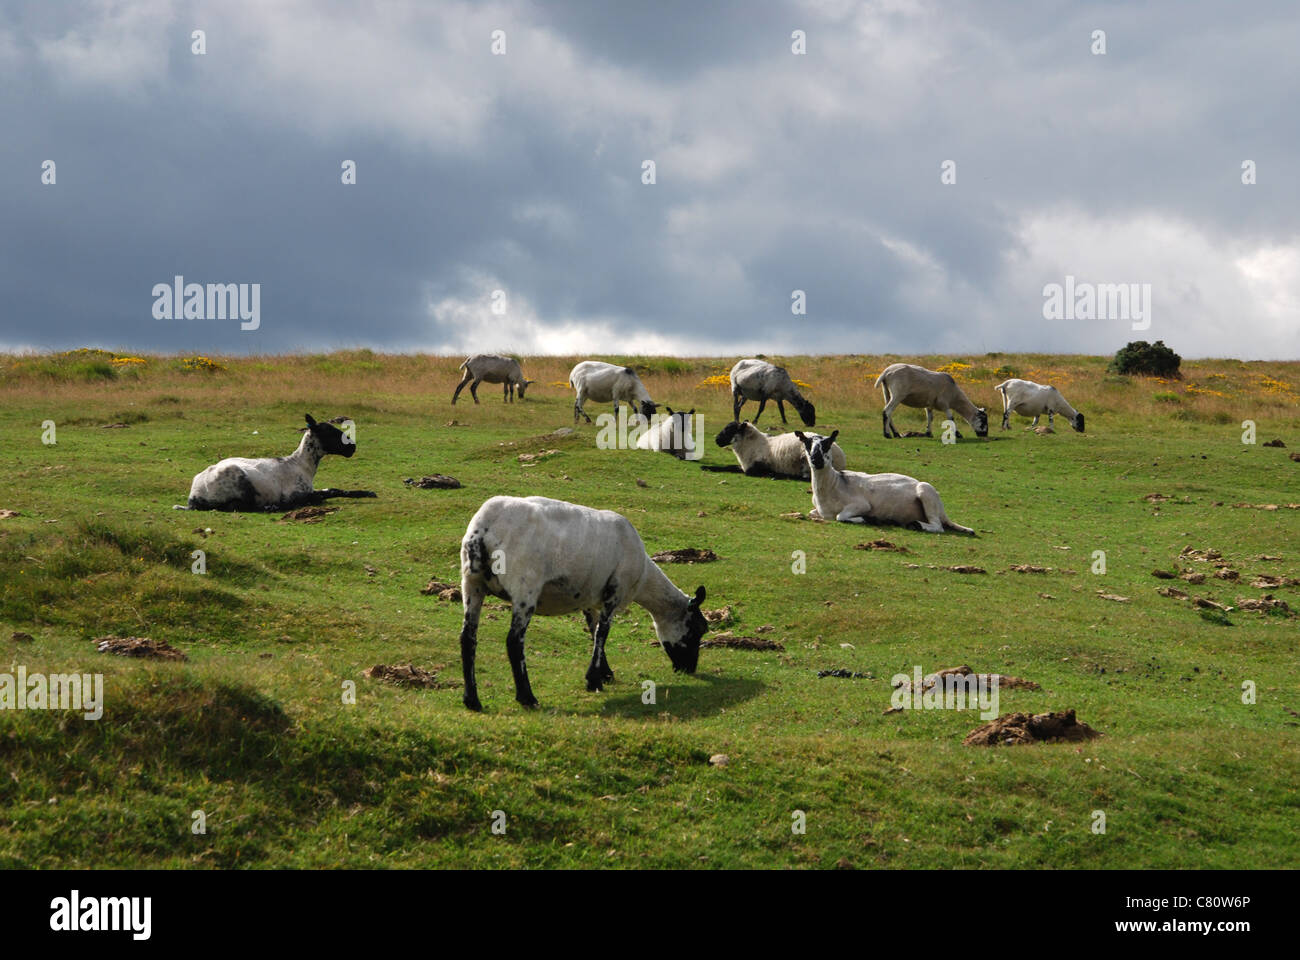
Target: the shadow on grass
pixel 689 700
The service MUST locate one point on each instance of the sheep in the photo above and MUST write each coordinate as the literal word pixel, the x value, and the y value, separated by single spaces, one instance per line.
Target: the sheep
pixel 670 434
pixel 604 382
pixel 852 497
pixel 273 483
pixel 494 369
pixel 1033 400
pixel 549 557
pixel 763 456
pixel 762 381
pixel 915 386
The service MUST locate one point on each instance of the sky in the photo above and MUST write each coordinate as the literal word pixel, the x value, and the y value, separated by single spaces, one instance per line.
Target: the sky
pixel 500 201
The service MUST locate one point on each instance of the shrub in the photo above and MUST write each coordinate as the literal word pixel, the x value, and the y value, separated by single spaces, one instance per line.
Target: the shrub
pixel 1006 373
pixel 1166 396
pixel 1151 359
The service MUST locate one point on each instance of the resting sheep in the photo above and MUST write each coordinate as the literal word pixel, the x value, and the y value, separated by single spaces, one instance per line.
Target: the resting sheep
pixel 273 483
pixel 763 456
pixel 494 369
pixel 762 381
pixel 549 557
pixel 670 434
pixel 603 382
pixel 1031 399
pixel 852 497
pixel 915 386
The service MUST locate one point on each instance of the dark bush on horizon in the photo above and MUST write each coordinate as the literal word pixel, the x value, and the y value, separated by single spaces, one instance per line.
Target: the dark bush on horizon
pixel 1150 359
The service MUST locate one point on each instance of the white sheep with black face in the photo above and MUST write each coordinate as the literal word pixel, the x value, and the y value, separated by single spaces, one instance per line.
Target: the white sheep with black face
pixel 913 386
pixel 852 497
pixel 1031 399
pixel 494 369
pixel 273 483
pixel 759 380
pixel 605 383
pixel 762 456
pixel 548 557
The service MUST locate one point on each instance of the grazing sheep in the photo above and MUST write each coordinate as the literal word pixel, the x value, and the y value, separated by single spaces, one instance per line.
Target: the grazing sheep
pixel 852 497
pixel 763 456
pixel 670 434
pixel 1031 399
pixel 604 382
pixel 549 557
pixel 914 386
pixel 494 369
pixel 273 483
pixel 762 381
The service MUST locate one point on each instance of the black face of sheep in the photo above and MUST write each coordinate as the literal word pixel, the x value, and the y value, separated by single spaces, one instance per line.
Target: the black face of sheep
pixel 819 450
pixel 981 422
pixel 685 653
pixel 807 412
pixel 648 408
pixel 524 386
pixel 331 438
pixel 1078 422
pixel 728 434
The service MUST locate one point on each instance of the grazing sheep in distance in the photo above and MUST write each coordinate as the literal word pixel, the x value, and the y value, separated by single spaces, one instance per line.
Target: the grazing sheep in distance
pixel 762 381
pixel 549 557
pixel 494 369
pixel 670 434
pixel 763 456
pixel 906 383
pixel 1031 399
pixel 852 497
pixel 273 483
pixel 603 382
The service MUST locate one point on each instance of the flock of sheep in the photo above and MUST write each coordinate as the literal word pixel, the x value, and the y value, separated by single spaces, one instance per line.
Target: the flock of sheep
pixel 549 557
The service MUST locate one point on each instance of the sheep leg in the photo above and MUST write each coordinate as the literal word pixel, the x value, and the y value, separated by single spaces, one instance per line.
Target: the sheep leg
pixel 887 417
pixel 1036 416
pixel 469 643
pixel 761 404
pixel 851 515
pixel 507 389
pixel 1051 417
pixel 461 386
pixel 1006 418
pixel 520 617
pixel 954 423
pixel 780 405
pixel 598 673
pixel 929 419
pixel 473 390
pixel 737 401
pixel 577 406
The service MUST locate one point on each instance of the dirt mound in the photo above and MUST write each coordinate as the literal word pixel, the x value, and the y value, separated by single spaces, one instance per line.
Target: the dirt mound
pixel 1263 604
pixel 114 426
pixel 1004 681
pixel 1209 554
pixel 1163 575
pixel 1115 597
pixel 1043 430
pixel 308 514
pixel 406 675
pixel 844 675
pixel 6 514
pixel 1191 577
pixel 444 591
pixel 1296 457
pixel 881 545
pixel 1273 443
pixel 1014 728
pixel 963 568
pixel 721 615
pixel 685 555
pixel 434 481
pixel 1029 568
pixel 1156 498
pixel 139 647
pixel 20 637
pixel 1265 581
pixel 1173 592
pixel 534 457
pixel 741 643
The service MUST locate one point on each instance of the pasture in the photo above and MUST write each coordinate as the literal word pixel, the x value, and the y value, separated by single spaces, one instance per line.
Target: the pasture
pixel 252 730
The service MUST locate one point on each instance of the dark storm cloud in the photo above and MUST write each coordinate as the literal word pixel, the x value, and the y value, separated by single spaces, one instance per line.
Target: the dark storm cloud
pixel 523 172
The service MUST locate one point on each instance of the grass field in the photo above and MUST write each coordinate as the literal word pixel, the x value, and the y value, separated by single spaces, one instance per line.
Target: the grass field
pixel 253 730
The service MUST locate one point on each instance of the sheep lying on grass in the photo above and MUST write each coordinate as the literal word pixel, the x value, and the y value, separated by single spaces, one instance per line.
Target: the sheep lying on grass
pixel 605 382
pixel 494 369
pixel 763 456
pixel 852 497
pixel 763 381
pixel 273 483
pixel 913 386
pixel 550 557
pixel 1031 399
pixel 670 434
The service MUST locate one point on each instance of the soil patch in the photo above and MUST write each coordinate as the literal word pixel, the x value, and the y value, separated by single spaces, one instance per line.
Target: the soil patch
pixel 685 555
pixel 139 647
pixel 434 481
pixel 1015 728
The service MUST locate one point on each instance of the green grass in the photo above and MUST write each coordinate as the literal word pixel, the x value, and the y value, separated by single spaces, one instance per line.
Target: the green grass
pixel 253 729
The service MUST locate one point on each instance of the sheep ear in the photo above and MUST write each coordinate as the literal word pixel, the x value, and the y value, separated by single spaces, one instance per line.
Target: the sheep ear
pixel 802 438
pixel 832 437
pixel 692 412
pixel 699 596
pixel 669 409
pixel 310 421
